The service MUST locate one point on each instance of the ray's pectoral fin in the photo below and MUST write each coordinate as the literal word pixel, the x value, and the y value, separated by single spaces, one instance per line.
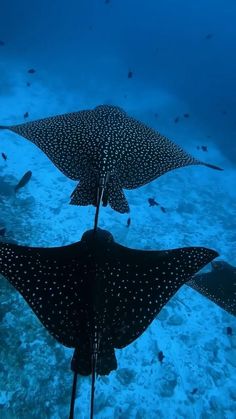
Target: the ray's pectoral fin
pixel 150 279
pixel 219 285
pixel 41 276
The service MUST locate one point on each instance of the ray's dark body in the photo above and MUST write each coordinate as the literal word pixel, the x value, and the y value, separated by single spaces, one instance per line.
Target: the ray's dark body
pixel 96 294
pixel 105 143
pixel 218 285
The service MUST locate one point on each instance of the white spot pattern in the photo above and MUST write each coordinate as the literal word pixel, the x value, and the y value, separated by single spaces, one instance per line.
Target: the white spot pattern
pixel 87 145
pixel 99 284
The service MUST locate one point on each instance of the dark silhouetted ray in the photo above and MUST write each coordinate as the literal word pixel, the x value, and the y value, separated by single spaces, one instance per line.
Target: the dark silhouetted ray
pixel 219 285
pixel 96 295
pixel 105 143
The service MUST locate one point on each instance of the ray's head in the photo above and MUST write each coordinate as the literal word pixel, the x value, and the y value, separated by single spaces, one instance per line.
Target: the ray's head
pixel 98 235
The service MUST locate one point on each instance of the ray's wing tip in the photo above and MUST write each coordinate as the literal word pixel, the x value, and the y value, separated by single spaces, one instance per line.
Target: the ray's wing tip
pixel 72 201
pixel 205 255
pixel 212 254
pixel 4 127
pixel 123 210
pixel 213 166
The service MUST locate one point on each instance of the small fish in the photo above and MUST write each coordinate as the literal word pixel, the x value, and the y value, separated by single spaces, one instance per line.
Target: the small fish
pixel 156 115
pixel 163 209
pixel 2 43
pixel 160 356
pixel 194 391
pixel 26 115
pixel 24 180
pixel 130 74
pixel 176 120
pixel 31 71
pixel 152 202
pixel 229 331
pixel 28 84
pixel 4 156
pixel 128 222
pixel 202 147
pixel 186 115
pixel 209 36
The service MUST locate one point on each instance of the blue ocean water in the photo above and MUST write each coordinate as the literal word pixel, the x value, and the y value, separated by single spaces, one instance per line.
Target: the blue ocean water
pixel 171 65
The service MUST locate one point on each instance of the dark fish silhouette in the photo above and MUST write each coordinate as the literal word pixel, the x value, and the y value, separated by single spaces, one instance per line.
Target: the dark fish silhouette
pixel 202 147
pixel 186 115
pixel 128 222
pixel 130 74
pixel 105 147
pixel 162 209
pixel 176 120
pixel 209 36
pixel 2 43
pixel 152 202
pixel 31 71
pixel 160 356
pixel 4 156
pixel 229 331
pixel 96 295
pixel 24 180
pixel 194 391
pixel 26 115
pixel 219 285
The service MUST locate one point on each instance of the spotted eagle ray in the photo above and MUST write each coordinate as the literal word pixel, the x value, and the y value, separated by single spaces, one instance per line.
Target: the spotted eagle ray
pixel 96 295
pixel 219 285
pixel 107 149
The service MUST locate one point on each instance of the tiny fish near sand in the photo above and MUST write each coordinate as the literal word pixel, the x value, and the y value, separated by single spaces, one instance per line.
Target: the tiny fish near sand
pixel 24 180
pixel 4 156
